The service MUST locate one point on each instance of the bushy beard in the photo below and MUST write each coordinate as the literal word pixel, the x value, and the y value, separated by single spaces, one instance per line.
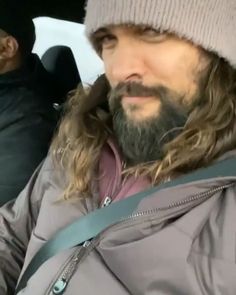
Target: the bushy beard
pixel 143 141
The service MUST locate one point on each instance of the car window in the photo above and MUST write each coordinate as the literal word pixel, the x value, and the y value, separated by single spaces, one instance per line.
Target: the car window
pixel 51 32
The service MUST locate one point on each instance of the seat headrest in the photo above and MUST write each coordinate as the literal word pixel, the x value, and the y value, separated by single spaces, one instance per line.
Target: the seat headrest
pixel 60 62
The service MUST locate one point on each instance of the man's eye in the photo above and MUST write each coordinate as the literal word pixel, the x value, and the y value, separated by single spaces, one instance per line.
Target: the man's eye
pixel 153 34
pixel 107 40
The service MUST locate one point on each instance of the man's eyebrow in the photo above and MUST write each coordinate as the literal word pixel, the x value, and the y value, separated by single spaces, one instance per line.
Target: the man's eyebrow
pixel 101 32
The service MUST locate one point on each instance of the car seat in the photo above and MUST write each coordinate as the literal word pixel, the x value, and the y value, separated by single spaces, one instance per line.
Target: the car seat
pixel 59 61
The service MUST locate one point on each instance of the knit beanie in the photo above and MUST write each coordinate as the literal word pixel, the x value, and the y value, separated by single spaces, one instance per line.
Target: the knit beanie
pixel 15 21
pixel 208 23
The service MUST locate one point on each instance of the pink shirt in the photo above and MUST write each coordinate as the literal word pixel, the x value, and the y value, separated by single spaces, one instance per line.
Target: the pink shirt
pixel 111 183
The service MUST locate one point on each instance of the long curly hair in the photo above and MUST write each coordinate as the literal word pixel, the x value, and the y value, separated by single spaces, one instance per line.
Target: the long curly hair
pixel 210 132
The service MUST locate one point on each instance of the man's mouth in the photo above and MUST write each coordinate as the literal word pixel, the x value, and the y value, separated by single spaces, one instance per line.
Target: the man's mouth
pixel 136 99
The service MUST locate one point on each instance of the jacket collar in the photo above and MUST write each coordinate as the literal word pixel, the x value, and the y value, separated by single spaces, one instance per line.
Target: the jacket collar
pixel 110 169
pixel 24 74
pixel 33 76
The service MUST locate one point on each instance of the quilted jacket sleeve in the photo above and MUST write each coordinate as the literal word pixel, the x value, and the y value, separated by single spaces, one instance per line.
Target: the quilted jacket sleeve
pixel 17 220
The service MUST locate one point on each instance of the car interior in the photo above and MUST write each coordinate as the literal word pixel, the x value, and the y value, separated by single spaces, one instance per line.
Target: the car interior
pixel 59 61
pixel 61 43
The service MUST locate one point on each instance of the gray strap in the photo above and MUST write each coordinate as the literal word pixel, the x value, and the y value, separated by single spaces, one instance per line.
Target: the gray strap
pixel 89 226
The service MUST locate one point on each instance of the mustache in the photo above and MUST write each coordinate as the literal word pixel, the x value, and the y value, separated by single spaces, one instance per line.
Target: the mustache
pixel 133 89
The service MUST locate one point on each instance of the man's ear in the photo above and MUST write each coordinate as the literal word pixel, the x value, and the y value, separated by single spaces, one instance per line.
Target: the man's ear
pixel 8 47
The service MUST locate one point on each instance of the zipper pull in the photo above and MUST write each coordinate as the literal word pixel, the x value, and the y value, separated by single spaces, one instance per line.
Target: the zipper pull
pixel 107 201
pixel 61 284
pixel 86 244
pixel 59 287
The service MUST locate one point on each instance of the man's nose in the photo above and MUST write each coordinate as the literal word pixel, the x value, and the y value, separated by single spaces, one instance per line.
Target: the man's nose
pixel 127 64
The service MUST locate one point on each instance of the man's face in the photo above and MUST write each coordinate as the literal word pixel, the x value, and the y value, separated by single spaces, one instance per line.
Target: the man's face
pixel 155 80
pixel 9 53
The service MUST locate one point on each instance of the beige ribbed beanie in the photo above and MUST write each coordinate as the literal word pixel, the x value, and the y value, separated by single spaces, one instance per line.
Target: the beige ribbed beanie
pixel 209 23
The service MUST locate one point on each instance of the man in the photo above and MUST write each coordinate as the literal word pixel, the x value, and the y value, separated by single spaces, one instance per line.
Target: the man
pixel 170 87
pixel 27 117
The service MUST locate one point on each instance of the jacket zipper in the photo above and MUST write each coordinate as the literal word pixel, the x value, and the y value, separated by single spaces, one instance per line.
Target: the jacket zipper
pixel 60 286
pixel 188 200
pixel 153 212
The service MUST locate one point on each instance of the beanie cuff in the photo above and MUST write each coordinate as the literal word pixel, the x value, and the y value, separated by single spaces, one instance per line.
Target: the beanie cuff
pixel 210 24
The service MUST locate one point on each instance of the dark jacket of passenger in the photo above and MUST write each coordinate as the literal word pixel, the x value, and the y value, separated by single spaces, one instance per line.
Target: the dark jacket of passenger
pixel 27 123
